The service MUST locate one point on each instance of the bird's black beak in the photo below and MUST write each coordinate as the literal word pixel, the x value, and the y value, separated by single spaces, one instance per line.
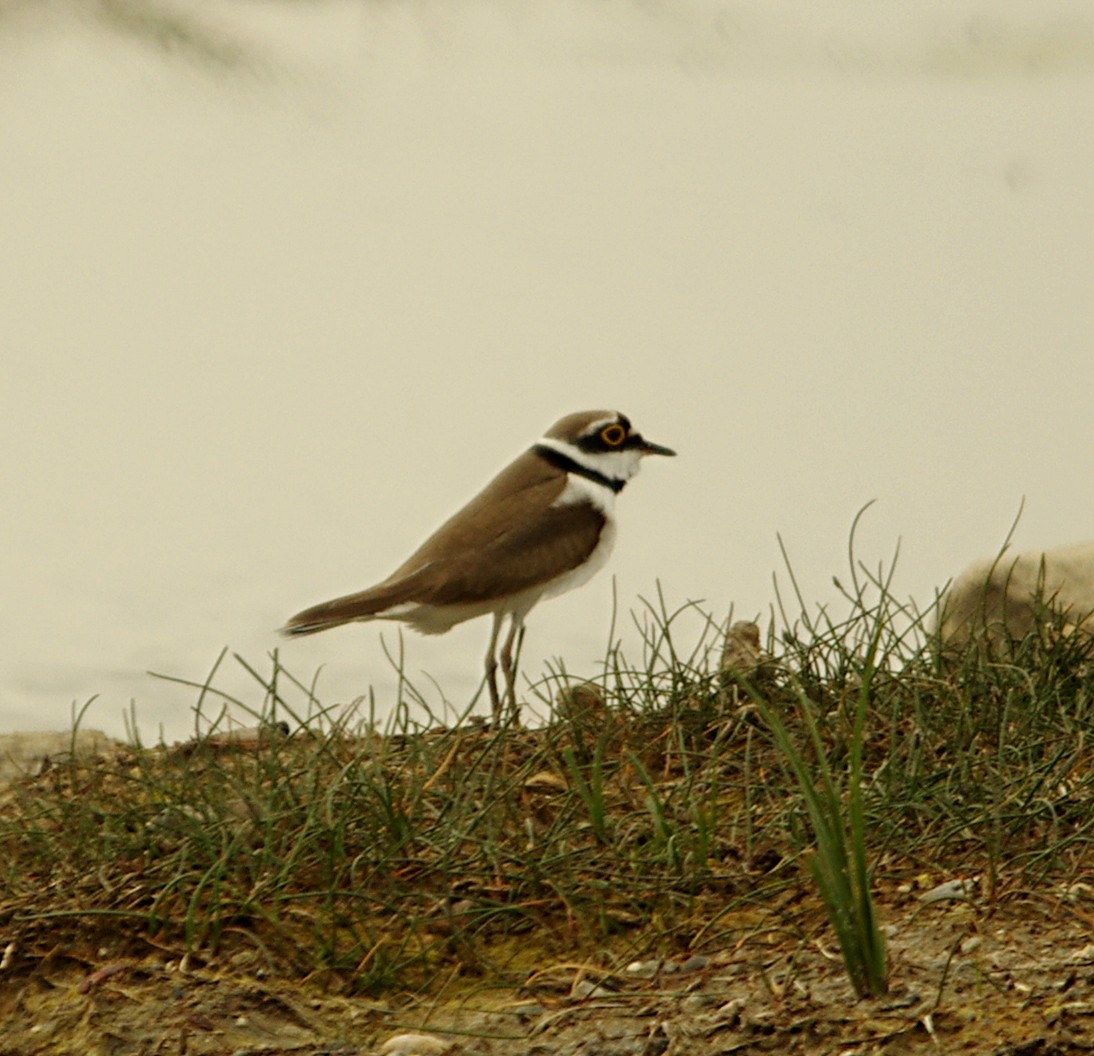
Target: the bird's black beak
pixel 647 447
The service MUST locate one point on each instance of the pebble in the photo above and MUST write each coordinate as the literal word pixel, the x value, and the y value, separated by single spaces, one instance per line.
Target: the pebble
pixel 699 1002
pixel 586 988
pixel 528 1010
pixel 951 889
pixel 695 963
pixel 413 1045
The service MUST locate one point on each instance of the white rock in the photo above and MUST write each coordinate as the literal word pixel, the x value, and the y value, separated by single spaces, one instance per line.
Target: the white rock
pixel 958 890
pixel 414 1045
pixel 999 597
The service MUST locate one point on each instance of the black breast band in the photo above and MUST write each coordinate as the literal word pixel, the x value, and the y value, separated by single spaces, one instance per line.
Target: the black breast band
pixel 571 465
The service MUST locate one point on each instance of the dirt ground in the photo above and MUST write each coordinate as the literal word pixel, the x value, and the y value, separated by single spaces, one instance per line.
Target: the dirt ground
pixel 1018 981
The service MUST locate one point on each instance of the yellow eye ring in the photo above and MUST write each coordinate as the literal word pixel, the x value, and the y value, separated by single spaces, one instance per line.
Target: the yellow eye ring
pixel 613 435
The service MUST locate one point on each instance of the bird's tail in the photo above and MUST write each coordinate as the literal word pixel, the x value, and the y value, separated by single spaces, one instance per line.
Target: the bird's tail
pixel 366 605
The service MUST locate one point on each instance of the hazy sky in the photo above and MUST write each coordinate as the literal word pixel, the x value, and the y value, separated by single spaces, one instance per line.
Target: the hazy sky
pixel 264 328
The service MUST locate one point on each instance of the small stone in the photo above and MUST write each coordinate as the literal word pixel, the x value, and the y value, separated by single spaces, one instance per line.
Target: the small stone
pixel 413 1045
pixel 695 963
pixel 742 654
pixel 585 988
pixel 699 1002
pixel 955 890
pixel 581 704
pixel 527 1010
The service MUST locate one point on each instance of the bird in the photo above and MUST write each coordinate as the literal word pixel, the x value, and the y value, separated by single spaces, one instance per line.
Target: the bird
pixel 544 525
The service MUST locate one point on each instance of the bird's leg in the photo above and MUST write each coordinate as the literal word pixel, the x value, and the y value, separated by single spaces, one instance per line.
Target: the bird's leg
pixel 509 663
pixel 492 667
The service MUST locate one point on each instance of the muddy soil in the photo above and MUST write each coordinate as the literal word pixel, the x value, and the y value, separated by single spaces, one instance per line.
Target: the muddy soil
pixel 1016 981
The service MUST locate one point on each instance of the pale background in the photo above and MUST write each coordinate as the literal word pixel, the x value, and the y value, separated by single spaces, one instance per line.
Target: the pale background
pixel 268 319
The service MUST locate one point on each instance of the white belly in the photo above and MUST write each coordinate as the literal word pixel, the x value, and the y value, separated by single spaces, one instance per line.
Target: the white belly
pixel 576 577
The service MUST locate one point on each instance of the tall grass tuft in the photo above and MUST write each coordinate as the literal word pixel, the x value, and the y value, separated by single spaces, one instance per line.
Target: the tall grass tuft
pixel 834 793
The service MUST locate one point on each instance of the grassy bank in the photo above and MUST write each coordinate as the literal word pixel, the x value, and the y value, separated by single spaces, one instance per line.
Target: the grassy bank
pixel 656 813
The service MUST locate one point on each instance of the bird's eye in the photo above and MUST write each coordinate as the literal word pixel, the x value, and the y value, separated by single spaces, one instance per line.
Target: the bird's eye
pixel 613 435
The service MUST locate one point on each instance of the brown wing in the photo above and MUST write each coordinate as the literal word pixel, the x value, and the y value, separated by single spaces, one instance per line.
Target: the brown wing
pixel 529 552
pixel 526 486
